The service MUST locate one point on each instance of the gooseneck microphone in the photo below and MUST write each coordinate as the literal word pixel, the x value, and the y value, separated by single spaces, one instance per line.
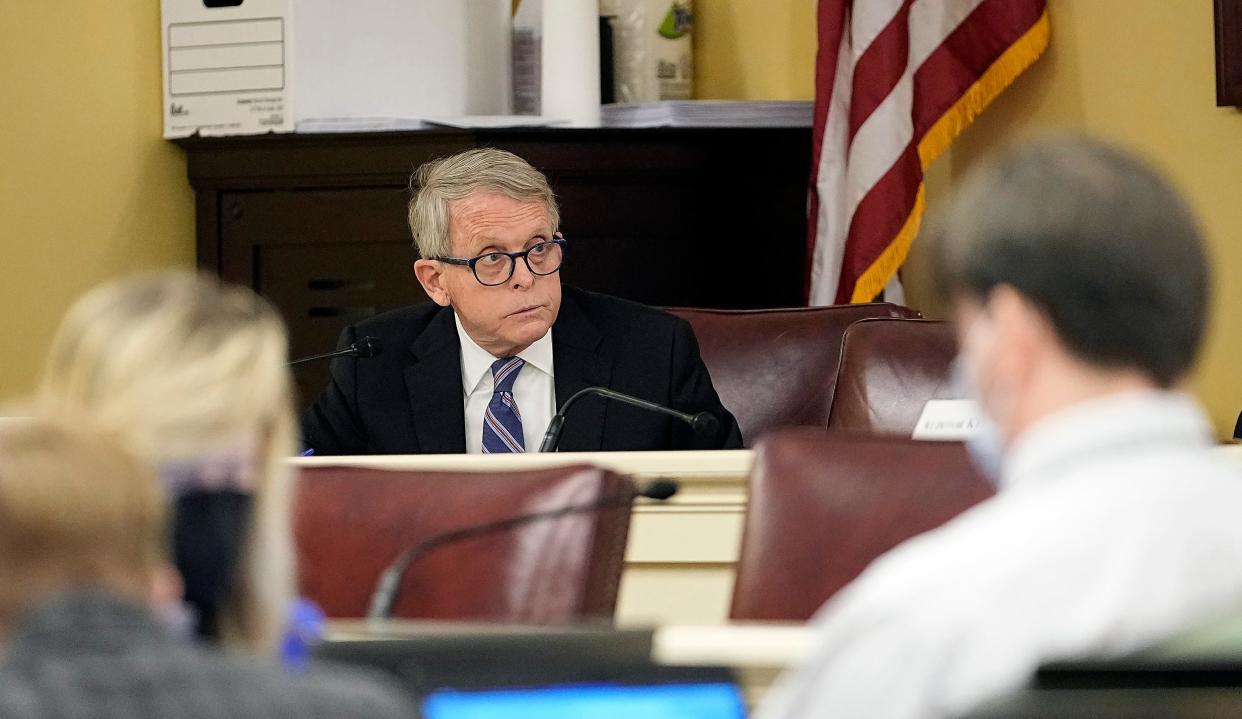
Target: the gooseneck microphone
pixel 384 598
pixel 703 422
pixel 362 349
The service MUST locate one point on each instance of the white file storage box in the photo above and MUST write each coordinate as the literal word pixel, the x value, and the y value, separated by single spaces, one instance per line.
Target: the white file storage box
pixel 235 67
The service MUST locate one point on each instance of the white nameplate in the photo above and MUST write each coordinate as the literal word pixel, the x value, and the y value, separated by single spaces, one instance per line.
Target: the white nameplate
pixel 948 420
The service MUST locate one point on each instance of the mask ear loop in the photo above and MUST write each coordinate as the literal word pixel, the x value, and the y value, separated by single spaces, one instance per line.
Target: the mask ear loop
pixel 986 444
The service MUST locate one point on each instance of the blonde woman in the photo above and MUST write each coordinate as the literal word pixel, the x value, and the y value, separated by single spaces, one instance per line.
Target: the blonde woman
pixel 193 371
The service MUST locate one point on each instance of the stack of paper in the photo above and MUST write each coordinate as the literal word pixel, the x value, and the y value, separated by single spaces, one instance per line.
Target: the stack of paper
pixel 709 113
pixel 359 124
pixel 389 124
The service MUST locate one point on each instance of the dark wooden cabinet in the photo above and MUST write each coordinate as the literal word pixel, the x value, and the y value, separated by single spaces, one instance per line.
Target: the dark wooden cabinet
pixel 670 216
pixel 1228 18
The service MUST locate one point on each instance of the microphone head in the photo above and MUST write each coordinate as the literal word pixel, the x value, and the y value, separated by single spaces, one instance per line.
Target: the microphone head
pixel 368 347
pixel 660 489
pixel 705 423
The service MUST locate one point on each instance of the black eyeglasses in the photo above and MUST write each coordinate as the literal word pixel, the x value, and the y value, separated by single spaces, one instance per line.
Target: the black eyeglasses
pixel 495 268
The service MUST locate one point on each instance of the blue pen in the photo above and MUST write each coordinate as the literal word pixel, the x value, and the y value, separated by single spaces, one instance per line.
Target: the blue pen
pixel 308 452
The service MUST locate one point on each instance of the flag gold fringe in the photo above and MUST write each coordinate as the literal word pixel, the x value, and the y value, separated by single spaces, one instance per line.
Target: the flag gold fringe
pixel 1016 59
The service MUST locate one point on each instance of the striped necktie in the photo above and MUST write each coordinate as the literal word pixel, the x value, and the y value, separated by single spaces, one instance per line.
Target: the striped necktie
pixel 502 422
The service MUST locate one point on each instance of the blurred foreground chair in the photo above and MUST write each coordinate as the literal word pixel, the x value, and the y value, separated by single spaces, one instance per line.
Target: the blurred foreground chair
pixel 777 368
pixel 824 505
pixel 350 523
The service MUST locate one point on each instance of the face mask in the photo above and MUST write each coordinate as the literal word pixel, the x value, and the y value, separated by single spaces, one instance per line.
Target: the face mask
pixel 209 534
pixel 986 445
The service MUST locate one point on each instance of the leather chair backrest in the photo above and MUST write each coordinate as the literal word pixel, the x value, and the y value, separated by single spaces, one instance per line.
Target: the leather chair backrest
pixel 350 523
pixel 824 505
pixel 777 368
pixel 889 370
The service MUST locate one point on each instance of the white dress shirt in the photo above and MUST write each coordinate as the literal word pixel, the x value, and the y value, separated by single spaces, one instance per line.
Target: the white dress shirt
pixel 534 390
pixel 1117 524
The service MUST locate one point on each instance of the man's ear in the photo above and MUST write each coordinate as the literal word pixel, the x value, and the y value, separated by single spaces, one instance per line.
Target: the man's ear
pixel 166 586
pixel 966 311
pixel 1023 329
pixel 430 275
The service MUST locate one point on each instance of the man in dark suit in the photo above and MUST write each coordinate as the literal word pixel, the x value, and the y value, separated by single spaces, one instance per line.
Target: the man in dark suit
pixel 503 345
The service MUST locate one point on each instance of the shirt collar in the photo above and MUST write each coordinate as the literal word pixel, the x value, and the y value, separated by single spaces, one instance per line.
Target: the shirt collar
pixel 1115 426
pixel 476 362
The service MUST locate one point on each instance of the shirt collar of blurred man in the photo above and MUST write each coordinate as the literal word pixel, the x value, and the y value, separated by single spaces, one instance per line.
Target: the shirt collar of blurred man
pixel 1127 423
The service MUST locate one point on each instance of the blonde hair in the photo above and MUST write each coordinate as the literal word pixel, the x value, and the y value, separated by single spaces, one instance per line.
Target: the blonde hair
pixel 76 509
pixel 188 366
pixel 439 182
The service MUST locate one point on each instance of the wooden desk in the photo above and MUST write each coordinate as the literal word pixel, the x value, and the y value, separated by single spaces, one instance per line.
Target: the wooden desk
pixel 682 554
pixel 757 652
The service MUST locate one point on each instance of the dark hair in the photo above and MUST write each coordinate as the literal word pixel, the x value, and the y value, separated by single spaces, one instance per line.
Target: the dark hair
pixel 1095 238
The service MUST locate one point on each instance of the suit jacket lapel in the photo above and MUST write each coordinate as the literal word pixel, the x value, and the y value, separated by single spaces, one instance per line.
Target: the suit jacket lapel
pixel 579 364
pixel 433 381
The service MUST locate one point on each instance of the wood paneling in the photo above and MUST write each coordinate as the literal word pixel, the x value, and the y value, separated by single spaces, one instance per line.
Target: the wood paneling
pixel 1229 52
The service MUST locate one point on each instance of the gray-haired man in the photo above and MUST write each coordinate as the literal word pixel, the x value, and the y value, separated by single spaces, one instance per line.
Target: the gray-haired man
pixel 484 367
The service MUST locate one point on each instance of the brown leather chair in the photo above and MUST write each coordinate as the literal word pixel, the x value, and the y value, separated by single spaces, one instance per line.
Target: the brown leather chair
pixel 777 368
pixel 824 505
pixel 350 523
pixel 889 369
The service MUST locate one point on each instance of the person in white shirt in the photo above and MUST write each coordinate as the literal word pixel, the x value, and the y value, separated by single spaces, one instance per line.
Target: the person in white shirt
pixel 1080 286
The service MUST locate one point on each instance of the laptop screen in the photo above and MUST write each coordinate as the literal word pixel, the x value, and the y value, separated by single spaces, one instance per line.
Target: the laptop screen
pixel 594 701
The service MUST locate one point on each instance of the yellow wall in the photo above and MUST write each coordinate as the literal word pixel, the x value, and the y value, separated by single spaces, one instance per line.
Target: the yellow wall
pixel 754 49
pixel 88 189
pixel 1142 73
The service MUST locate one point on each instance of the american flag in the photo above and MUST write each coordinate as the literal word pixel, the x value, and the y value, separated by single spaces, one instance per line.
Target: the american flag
pixel 895 82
